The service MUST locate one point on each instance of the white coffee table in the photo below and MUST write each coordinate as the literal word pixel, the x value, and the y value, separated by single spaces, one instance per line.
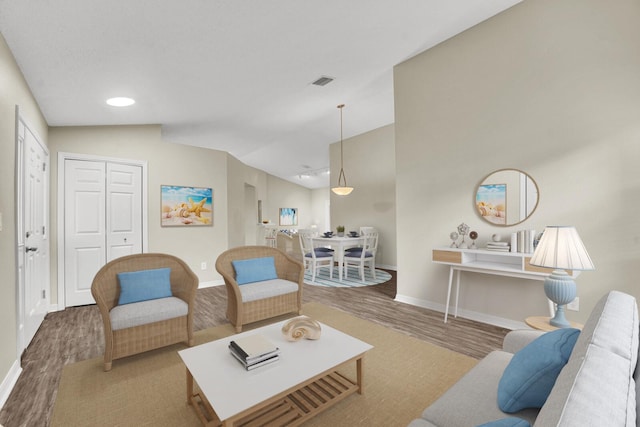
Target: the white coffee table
pixel 297 387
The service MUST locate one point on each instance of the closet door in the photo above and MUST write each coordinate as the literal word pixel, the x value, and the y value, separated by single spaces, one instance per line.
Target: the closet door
pixel 124 210
pixel 84 225
pixel 102 221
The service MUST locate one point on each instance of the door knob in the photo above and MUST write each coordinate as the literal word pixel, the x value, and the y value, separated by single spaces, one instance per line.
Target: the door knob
pixel 30 249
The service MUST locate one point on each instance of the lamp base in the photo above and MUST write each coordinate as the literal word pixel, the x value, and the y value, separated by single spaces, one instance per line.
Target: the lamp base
pixel 561 289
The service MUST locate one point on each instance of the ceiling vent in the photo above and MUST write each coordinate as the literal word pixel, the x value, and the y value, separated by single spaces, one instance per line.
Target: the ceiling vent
pixel 323 81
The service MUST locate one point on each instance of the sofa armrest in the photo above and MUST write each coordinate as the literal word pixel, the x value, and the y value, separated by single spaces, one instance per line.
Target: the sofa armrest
pixel 516 340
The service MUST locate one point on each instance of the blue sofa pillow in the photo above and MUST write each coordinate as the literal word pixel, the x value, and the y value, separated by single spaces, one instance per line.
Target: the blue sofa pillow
pixel 143 285
pixel 507 422
pixel 255 270
pixel 530 375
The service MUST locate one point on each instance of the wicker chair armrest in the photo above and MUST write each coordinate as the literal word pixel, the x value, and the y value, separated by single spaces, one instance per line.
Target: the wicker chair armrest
pixel 290 269
pixel 184 284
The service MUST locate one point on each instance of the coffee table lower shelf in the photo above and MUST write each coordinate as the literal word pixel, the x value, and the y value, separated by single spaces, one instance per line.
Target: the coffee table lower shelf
pixel 293 409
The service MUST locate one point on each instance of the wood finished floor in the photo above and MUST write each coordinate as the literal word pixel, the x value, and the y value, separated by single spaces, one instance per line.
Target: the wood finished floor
pixel 76 334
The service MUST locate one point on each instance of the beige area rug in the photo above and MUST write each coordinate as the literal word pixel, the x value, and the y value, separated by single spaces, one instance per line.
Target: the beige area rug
pixel 403 375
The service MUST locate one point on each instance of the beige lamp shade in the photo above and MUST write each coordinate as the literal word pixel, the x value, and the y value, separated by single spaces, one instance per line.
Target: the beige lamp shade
pixel 561 248
pixel 342 191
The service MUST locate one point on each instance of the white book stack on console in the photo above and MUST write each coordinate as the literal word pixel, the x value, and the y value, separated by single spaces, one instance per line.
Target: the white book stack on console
pixel 498 246
pixel 254 351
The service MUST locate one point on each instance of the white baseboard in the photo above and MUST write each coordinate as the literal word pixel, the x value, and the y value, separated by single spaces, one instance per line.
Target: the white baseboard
pixel 387 267
pixel 211 284
pixel 467 314
pixel 9 382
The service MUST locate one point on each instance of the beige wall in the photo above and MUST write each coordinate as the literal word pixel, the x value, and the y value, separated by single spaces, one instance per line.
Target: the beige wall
pixel 549 87
pixel 284 194
pixel 370 168
pixel 238 176
pixel 13 91
pixel 169 164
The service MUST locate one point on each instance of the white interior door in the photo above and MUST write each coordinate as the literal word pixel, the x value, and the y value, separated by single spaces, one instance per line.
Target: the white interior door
pixel 124 210
pixel 84 226
pixel 103 220
pixel 36 234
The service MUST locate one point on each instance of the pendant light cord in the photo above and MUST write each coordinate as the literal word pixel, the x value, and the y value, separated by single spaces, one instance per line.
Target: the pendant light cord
pixel 342 175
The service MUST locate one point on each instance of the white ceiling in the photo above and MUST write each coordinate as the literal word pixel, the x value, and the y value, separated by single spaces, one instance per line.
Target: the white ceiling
pixel 232 75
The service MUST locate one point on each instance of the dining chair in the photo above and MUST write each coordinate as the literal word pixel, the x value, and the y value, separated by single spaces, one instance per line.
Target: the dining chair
pixel 363 230
pixel 314 258
pixel 270 235
pixel 366 254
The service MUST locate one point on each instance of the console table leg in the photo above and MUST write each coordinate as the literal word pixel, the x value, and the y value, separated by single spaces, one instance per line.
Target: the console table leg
pixel 457 292
pixel 446 307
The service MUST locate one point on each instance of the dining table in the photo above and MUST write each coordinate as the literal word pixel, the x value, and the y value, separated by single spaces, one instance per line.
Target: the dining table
pixel 338 244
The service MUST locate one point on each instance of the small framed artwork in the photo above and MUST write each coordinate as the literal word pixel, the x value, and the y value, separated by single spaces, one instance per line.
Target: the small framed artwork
pixel 186 206
pixel 288 216
pixel 491 202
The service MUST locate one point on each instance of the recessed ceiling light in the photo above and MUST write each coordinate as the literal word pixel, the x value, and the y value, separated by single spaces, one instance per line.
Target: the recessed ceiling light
pixel 120 101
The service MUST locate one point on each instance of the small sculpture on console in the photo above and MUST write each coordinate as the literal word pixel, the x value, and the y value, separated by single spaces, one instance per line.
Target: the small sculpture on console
pixel 454 239
pixel 473 236
pixel 463 229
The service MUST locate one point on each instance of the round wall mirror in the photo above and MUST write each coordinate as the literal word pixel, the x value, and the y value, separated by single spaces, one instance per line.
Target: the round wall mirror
pixel 506 197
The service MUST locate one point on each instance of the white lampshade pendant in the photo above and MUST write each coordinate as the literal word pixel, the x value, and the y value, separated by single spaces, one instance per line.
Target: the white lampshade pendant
pixel 342 189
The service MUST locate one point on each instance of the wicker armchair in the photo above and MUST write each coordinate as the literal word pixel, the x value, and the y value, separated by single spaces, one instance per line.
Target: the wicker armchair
pixel 133 340
pixel 241 313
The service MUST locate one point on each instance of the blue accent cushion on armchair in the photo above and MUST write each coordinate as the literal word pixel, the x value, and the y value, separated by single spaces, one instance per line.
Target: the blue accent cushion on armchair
pixel 254 270
pixel 530 375
pixel 143 285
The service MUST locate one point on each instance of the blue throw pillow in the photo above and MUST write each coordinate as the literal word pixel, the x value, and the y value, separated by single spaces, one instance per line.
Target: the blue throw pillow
pixel 507 422
pixel 136 286
pixel 530 375
pixel 255 270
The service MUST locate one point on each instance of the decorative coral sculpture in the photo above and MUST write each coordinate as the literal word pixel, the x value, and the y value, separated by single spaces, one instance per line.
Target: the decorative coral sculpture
pixel 301 327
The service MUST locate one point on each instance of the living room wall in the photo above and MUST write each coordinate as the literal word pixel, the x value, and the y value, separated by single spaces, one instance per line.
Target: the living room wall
pixel 370 168
pixel 167 163
pixel 548 87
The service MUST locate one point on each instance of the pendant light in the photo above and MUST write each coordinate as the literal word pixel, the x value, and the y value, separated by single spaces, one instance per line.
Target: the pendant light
pixel 341 189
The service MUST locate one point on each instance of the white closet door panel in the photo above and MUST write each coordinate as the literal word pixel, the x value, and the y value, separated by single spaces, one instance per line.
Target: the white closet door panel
pixel 85 248
pixel 124 210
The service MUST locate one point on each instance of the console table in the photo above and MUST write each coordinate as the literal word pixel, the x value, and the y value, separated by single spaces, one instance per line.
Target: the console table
pixel 510 264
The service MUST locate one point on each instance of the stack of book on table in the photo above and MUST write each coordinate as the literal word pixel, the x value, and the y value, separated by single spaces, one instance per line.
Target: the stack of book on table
pixel 253 351
pixel 498 246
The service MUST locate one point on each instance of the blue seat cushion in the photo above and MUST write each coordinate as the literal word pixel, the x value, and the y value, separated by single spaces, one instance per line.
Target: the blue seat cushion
pixel 530 375
pixel 320 254
pixel 358 254
pixel 255 270
pixel 321 249
pixel 144 285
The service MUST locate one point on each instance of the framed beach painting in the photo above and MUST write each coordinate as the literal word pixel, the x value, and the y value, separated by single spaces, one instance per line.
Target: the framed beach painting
pixel 288 216
pixel 186 206
pixel 491 202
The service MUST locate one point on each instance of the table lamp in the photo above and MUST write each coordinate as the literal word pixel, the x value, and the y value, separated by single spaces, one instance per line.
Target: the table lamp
pixel 561 249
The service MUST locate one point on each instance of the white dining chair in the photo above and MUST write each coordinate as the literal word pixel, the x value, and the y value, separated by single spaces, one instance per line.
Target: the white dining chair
pixel 359 258
pixel 270 235
pixel 363 231
pixel 315 258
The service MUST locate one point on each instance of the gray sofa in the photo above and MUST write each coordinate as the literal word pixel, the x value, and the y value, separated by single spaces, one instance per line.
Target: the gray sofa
pixel 599 385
